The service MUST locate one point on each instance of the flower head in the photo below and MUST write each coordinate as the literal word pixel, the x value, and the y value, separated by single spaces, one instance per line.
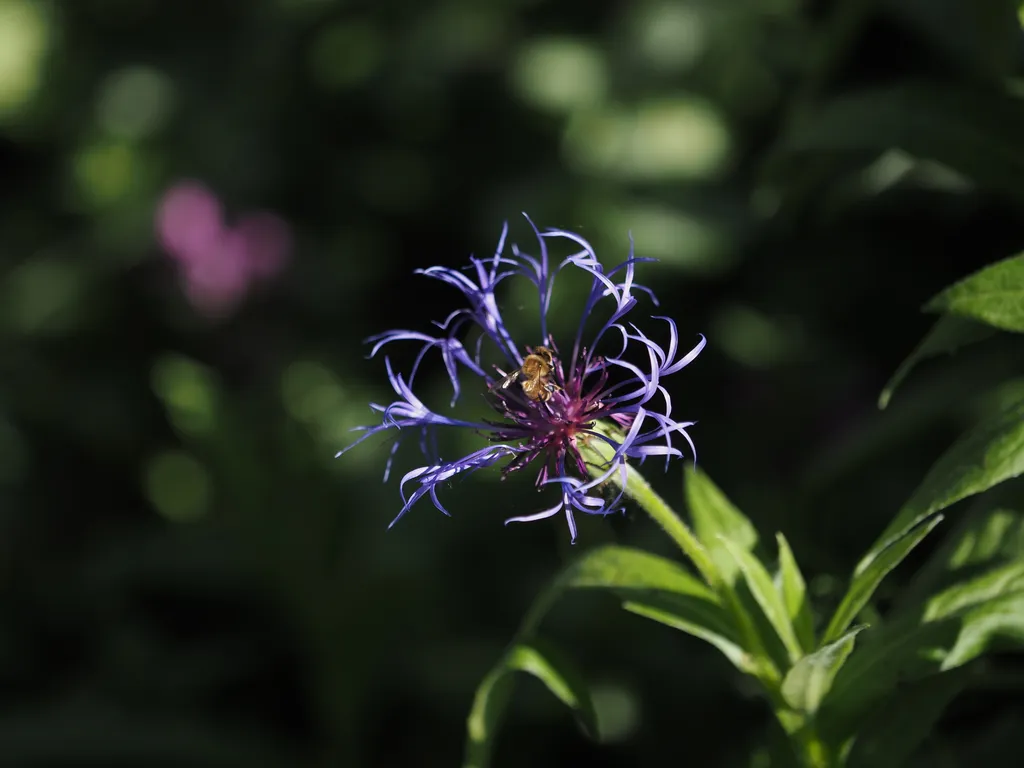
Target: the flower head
pixel 548 400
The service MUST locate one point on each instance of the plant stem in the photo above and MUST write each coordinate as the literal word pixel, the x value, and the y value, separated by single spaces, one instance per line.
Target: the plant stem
pixel 597 454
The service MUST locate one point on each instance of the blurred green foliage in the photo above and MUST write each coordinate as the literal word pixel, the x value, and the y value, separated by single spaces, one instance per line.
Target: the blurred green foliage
pixel 190 578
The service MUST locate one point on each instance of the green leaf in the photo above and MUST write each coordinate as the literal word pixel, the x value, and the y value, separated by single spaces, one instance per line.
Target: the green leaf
pixel 949 334
pixel 889 739
pixel 988 455
pixel 993 295
pixel 644 582
pixel 790 583
pixel 545 663
pixel 694 619
pixel 807 682
pixel 1001 618
pixel 767 596
pixel 972 130
pixel 714 516
pixel 900 651
pixel 866 581
pixel 987 586
pixel 987 535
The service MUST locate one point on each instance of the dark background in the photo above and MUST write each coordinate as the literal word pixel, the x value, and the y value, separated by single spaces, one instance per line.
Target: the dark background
pixel 187 575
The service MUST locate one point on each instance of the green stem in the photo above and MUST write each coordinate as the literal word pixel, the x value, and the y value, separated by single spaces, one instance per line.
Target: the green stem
pixel 597 454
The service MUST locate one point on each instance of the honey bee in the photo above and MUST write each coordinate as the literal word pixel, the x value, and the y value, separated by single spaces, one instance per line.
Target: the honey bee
pixel 535 374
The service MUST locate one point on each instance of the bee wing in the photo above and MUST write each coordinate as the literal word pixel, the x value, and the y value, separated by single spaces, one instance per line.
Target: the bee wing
pixel 509 379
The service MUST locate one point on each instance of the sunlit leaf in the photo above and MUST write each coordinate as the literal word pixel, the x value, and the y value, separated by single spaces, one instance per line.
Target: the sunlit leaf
pixel 993 295
pixel 949 334
pixel 987 535
pixel 807 682
pixel 989 585
pixel 545 663
pixel 890 737
pixel 986 456
pixel 715 516
pixel 1001 618
pixel 794 594
pixel 866 581
pixel 759 581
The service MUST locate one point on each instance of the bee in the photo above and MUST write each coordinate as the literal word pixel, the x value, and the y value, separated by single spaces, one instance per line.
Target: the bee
pixel 535 374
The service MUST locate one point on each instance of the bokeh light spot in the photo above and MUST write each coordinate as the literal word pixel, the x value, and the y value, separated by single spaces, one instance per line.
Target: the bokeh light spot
pixel 681 138
pixel 751 338
pixel 674 237
pixel 189 392
pixel 560 74
pixel 134 102
pixel 178 486
pixel 670 36
pixel 344 55
pixel 310 391
pixel 24 38
pixel 106 173
pixel 313 396
pixel 43 295
pixel 618 712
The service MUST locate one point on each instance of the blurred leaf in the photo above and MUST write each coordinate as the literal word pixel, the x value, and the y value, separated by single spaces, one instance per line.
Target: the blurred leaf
pixel 714 516
pixel 1000 617
pixel 545 663
pixel 982 37
pixel 889 739
pixel 794 594
pixel 767 596
pixel 949 334
pixel 807 682
pixel 986 456
pixel 972 130
pixel 993 295
pixel 866 581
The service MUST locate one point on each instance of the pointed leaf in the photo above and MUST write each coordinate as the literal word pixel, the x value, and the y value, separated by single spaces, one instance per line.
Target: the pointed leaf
pixel 621 569
pixel 993 295
pixel 987 586
pixel 905 720
pixel 984 457
pixel 794 594
pixel 949 334
pixel 694 619
pixel 714 516
pixel 807 682
pixel 768 598
pixel 545 663
pixel 636 577
pixel 1001 618
pixel 988 535
pixel 865 582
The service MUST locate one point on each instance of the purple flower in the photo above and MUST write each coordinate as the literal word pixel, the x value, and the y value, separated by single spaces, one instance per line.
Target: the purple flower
pixel 548 401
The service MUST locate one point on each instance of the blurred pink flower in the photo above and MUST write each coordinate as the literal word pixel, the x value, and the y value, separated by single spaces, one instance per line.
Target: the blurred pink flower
pixel 218 264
